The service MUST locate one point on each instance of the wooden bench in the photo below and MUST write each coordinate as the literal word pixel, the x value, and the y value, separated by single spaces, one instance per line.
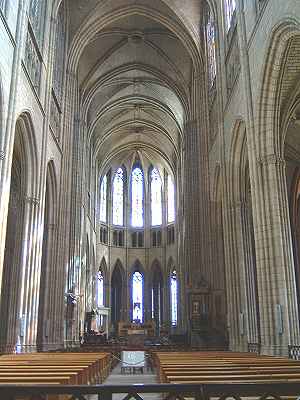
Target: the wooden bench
pixel 54 369
pixel 224 367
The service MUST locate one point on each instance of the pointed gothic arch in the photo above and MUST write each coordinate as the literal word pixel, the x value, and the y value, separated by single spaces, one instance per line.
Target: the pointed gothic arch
pixel 243 258
pixel 117 291
pixel 157 294
pixel 17 268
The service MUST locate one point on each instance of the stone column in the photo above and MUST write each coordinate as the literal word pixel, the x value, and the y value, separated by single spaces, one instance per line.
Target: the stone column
pixel 30 275
pixel 252 306
pixel 235 276
pixel 50 296
pixel 67 255
pixel 194 257
pixel 279 320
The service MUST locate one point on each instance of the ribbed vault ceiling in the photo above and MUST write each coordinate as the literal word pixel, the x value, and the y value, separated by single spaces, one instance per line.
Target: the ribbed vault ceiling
pixel 134 75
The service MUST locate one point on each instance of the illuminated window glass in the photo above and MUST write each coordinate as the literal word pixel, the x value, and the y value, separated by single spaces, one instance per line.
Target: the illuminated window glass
pixel 171 200
pixel 137 297
pixel 174 294
pixel 156 205
pixel 103 191
pixel 137 197
pixel 100 291
pixel 230 6
pixel 118 197
pixel 211 48
pixel 152 303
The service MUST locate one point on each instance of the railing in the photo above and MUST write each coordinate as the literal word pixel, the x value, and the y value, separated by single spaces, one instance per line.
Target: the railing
pixel 294 352
pixel 254 348
pixel 197 392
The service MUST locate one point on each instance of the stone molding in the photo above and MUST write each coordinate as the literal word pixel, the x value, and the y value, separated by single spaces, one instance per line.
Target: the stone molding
pixel 190 124
pixel 236 205
pixel 51 227
pixel 271 159
pixel 2 155
pixel 32 200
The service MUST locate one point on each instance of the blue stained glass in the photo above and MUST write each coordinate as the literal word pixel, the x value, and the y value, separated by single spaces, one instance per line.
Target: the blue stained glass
pixel 103 191
pixel 137 297
pixel 137 198
pixel 156 204
pixel 171 200
pixel 118 197
pixel 174 297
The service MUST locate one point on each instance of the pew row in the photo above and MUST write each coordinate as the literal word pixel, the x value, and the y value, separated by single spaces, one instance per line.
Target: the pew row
pixel 54 369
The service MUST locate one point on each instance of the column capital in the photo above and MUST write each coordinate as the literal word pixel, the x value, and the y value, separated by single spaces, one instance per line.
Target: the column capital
pixel 269 159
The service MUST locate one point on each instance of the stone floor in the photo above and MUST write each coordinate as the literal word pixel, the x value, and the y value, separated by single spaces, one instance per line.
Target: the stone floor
pixel 116 378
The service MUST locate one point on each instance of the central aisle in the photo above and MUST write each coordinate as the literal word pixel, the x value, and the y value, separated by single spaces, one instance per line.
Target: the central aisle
pixel 116 378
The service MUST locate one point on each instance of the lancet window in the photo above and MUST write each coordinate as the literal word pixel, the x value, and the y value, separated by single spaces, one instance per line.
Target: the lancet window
pixel 118 198
pixel 137 297
pixel 103 200
pixel 211 48
pixel 137 198
pixel 171 200
pixel 230 6
pixel 174 297
pixel 156 198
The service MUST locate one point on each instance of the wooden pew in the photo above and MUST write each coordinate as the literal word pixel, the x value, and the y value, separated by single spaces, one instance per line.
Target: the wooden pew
pixel 222 367
pixel 54 369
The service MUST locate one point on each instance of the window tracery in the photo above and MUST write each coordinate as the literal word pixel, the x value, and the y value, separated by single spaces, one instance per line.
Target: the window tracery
pixel 58 73
pixel 211 48
pixel 35 33
pixel 36 16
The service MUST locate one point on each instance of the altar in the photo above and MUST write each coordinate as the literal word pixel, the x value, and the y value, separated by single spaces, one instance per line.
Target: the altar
pixel 139 330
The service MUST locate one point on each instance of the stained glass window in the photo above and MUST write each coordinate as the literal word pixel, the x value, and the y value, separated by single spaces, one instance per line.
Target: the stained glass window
pixel 137 197
pixel 174 296
pixel 100 289
pixel 103 191
pixel 152 303
pixel 156 205
pixel 118 197
pixel 230 6
pixel 137 297
pixel 37 15
pixel 211 48
pixel 171 200
pixel 58 67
